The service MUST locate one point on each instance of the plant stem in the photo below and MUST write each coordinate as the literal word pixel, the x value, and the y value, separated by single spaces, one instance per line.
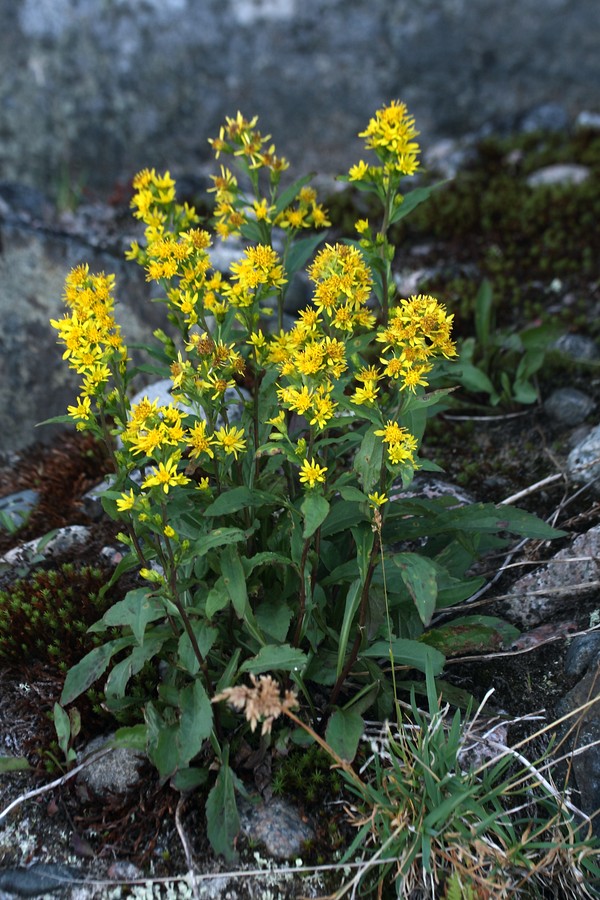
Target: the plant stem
pixel 302 593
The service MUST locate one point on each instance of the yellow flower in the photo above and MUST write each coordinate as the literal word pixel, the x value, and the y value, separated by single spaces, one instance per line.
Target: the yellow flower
pixel 312 473
pixel 378 499
pixel 391 135
pixel 169 532
pixel 198 440
pixel 165 475
pixel 361 226
pixel 359 172
pixel 126 501
pixel 203 485
pixel 231 439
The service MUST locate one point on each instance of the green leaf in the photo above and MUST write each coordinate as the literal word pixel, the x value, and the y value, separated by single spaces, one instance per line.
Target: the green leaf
pixel 367 463
pixel 475 380
pixel 13 764
pixel 419 575
pixel 274 619
pixel 217 599
pixel 344 731
pixel 412 200
pixel 408 653
pixel 205 636
pixel 125 669
pixel 136 610
pixel 220 537
pixel 195 723
pixel 62 725
pixel 234 579
pixel 162 745
pixel 133 737
pixel 290 193
pixel 471 634
pixel 222 819
pixel 189 779
pixel 342 516
pixel 284 658
pixel 84 673
pixel 301 251
pixel 240 498
pixel 484 305
pixel 314 508
pixel 350 609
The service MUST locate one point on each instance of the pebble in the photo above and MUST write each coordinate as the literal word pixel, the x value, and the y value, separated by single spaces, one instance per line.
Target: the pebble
pixel 586 119
pixel 577 347
pixel 560 174
pixel 583 462
pixel 545 117
pixel 278 825
pixel 569 406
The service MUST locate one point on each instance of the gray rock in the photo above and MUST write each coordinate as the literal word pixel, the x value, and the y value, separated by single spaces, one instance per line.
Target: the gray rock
pixel 558 585
pixel 586 764
pixel 569 406
pixel 43 548
pixel 587 119
pixel 577 347
pixel 546 117
pixel 559 174
pixel 35 382
pixel 37 879
pixel 116 772
pixel 583 462
pixel 278 826
pixel 428 486
pixel 582 652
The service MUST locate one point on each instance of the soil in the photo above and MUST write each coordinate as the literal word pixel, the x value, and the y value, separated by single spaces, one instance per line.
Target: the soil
pixel 493 453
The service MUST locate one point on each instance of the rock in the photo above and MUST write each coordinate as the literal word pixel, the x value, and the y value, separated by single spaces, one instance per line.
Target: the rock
pixel 586 726
pixel 40 878
pixel 560 174
pixel 429 487
pixel 63 541
pixel 569 406
pixel 577 347
pixel 586 119
pixel 116 772
pixel 558 585
pixel 583 462
pixel 582 653
pixel 35 382
pixel 278 826
pixel 546 117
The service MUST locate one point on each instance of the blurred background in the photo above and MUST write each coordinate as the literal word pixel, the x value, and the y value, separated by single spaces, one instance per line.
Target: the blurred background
pixel 92 90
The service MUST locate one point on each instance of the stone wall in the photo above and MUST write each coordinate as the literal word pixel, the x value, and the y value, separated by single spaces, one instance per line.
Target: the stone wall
pixel 91 90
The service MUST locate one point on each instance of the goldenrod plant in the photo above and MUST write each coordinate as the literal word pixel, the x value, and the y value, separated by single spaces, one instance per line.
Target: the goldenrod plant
pixel 266 523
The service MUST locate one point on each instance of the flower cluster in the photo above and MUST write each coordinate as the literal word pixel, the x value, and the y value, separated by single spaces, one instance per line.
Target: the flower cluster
pixel 91 336
pixel 418 330
pixel 261 702
pixel 240 138
pixel 391 134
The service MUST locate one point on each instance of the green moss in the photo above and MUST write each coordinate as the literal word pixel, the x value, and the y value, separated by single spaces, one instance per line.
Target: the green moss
pixel 45 617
